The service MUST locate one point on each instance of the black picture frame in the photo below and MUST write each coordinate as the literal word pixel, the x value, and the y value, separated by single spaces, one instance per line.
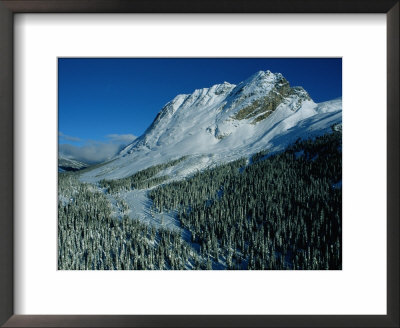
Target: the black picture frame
pixel 10 7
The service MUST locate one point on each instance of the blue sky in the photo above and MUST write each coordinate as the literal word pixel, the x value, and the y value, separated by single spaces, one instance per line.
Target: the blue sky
pixel 107 101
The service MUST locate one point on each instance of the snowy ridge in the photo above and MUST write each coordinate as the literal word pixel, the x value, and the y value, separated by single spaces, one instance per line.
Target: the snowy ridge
pixel 330 106
pixel 223 123
pixel 66 164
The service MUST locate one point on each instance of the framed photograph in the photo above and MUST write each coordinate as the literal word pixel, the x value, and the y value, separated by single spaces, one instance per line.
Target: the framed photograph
pixel 194 164
pixel 166 197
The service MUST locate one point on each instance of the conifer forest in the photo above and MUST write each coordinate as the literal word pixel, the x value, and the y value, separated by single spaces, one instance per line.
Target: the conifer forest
pixel 269 211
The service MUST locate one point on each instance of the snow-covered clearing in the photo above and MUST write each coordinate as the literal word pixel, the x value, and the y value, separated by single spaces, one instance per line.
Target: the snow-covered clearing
pixel 140 208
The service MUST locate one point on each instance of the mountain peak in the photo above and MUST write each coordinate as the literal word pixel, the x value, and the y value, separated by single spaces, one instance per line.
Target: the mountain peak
pixel 214 89
pixel 179 98
pixel 224 122
pixel 266 77
pixel 261 82
pixel 264 73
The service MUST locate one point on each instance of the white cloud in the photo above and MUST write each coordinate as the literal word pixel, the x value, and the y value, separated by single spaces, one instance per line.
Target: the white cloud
pixel 93 152
pixel 121 138
pixel 67 137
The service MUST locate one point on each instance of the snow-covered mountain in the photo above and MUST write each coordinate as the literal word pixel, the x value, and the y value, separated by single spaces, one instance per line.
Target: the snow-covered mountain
pixel 69 164
pixel 222 123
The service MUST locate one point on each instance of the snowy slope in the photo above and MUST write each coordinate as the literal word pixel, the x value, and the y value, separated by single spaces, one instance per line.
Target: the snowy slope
pixel 69 164
pixel 329 106
pixel 223 123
